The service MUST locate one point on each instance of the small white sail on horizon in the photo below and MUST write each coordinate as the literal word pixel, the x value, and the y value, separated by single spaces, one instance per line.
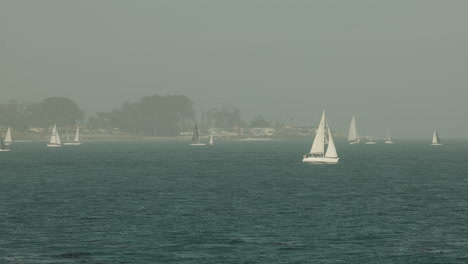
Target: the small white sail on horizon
pixel 370 140
pixel 211 143
pixel 55 138
pixel 317 152
pixel 8 139
pixel 76 141
pixel 436 139
pixel 353 136
pixel 388 139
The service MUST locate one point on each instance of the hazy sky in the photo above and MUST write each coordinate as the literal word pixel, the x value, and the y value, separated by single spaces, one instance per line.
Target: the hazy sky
pixel 399 62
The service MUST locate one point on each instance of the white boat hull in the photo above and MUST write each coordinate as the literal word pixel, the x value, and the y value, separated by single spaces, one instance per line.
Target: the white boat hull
pixel 389 142
pixel 4 150
pixel 72 143
pixel 198 144
pixel 320 160
pixel 354 142
pixel 371 143
pixel 436 144
pixel 53 145
pixel 7 143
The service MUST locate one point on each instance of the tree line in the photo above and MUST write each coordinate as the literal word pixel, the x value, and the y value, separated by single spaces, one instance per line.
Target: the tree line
pixel 153 115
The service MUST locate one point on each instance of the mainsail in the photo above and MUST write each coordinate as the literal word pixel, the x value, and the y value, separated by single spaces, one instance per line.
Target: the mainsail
pixel 353 134
pixel 435 138
pixel 318 146
pixel 8 139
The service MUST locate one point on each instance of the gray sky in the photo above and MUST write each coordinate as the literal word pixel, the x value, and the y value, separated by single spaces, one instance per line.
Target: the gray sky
pixel 398 62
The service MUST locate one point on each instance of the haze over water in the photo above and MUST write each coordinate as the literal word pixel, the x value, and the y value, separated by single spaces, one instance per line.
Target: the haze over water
pixel 399 63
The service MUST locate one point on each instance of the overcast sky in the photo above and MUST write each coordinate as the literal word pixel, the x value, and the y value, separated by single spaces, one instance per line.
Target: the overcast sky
pixel 402 63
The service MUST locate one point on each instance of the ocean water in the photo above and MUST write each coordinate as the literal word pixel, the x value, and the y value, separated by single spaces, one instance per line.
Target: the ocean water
pixel 235 202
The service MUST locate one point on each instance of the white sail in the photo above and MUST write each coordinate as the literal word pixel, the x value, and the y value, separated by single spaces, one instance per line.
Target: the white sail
pixel 353 134
pixel 436 139
pixel 55 138
pixel 8 139
pixel 318 146
pixel 211 140
pixel 77 135
pixel 331 150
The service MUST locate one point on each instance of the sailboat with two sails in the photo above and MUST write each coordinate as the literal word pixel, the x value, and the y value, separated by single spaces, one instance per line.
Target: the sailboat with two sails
pixel 317 153
pixel 436 139
pixel 76 141
pixel 55 139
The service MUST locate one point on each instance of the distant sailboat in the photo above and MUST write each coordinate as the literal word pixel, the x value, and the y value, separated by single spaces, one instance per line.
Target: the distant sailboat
pixel 317 153
pixel 55 139
pixel 211 143
pixel 8 139
pixel 76 141
pixel 388 139
pixel 436 139
pixel 353 136
pixel 195 137
pixel 2 145
pixel 370 141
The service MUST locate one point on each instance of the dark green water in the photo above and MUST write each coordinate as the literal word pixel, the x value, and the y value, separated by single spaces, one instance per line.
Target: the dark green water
pixel 236 202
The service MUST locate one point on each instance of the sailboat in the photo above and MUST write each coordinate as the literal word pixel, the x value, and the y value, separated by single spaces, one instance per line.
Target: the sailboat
pixel 211 143
pixel 195 137
pixel 436 139
pixel 76 141
pixel 388 139
pixel 370 141
pixel 55 139
pixel 353 136
pixel 2 145
pixel 317 153
pixel 8 140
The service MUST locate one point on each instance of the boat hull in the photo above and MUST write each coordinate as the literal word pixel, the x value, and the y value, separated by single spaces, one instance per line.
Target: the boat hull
pixel 4 150
pixel 53 145
pixel 389 142
pixel 320 160
pixel 436 144
pixel 354 142
pixel 198 144
pixel 371 143
pixel 72 144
